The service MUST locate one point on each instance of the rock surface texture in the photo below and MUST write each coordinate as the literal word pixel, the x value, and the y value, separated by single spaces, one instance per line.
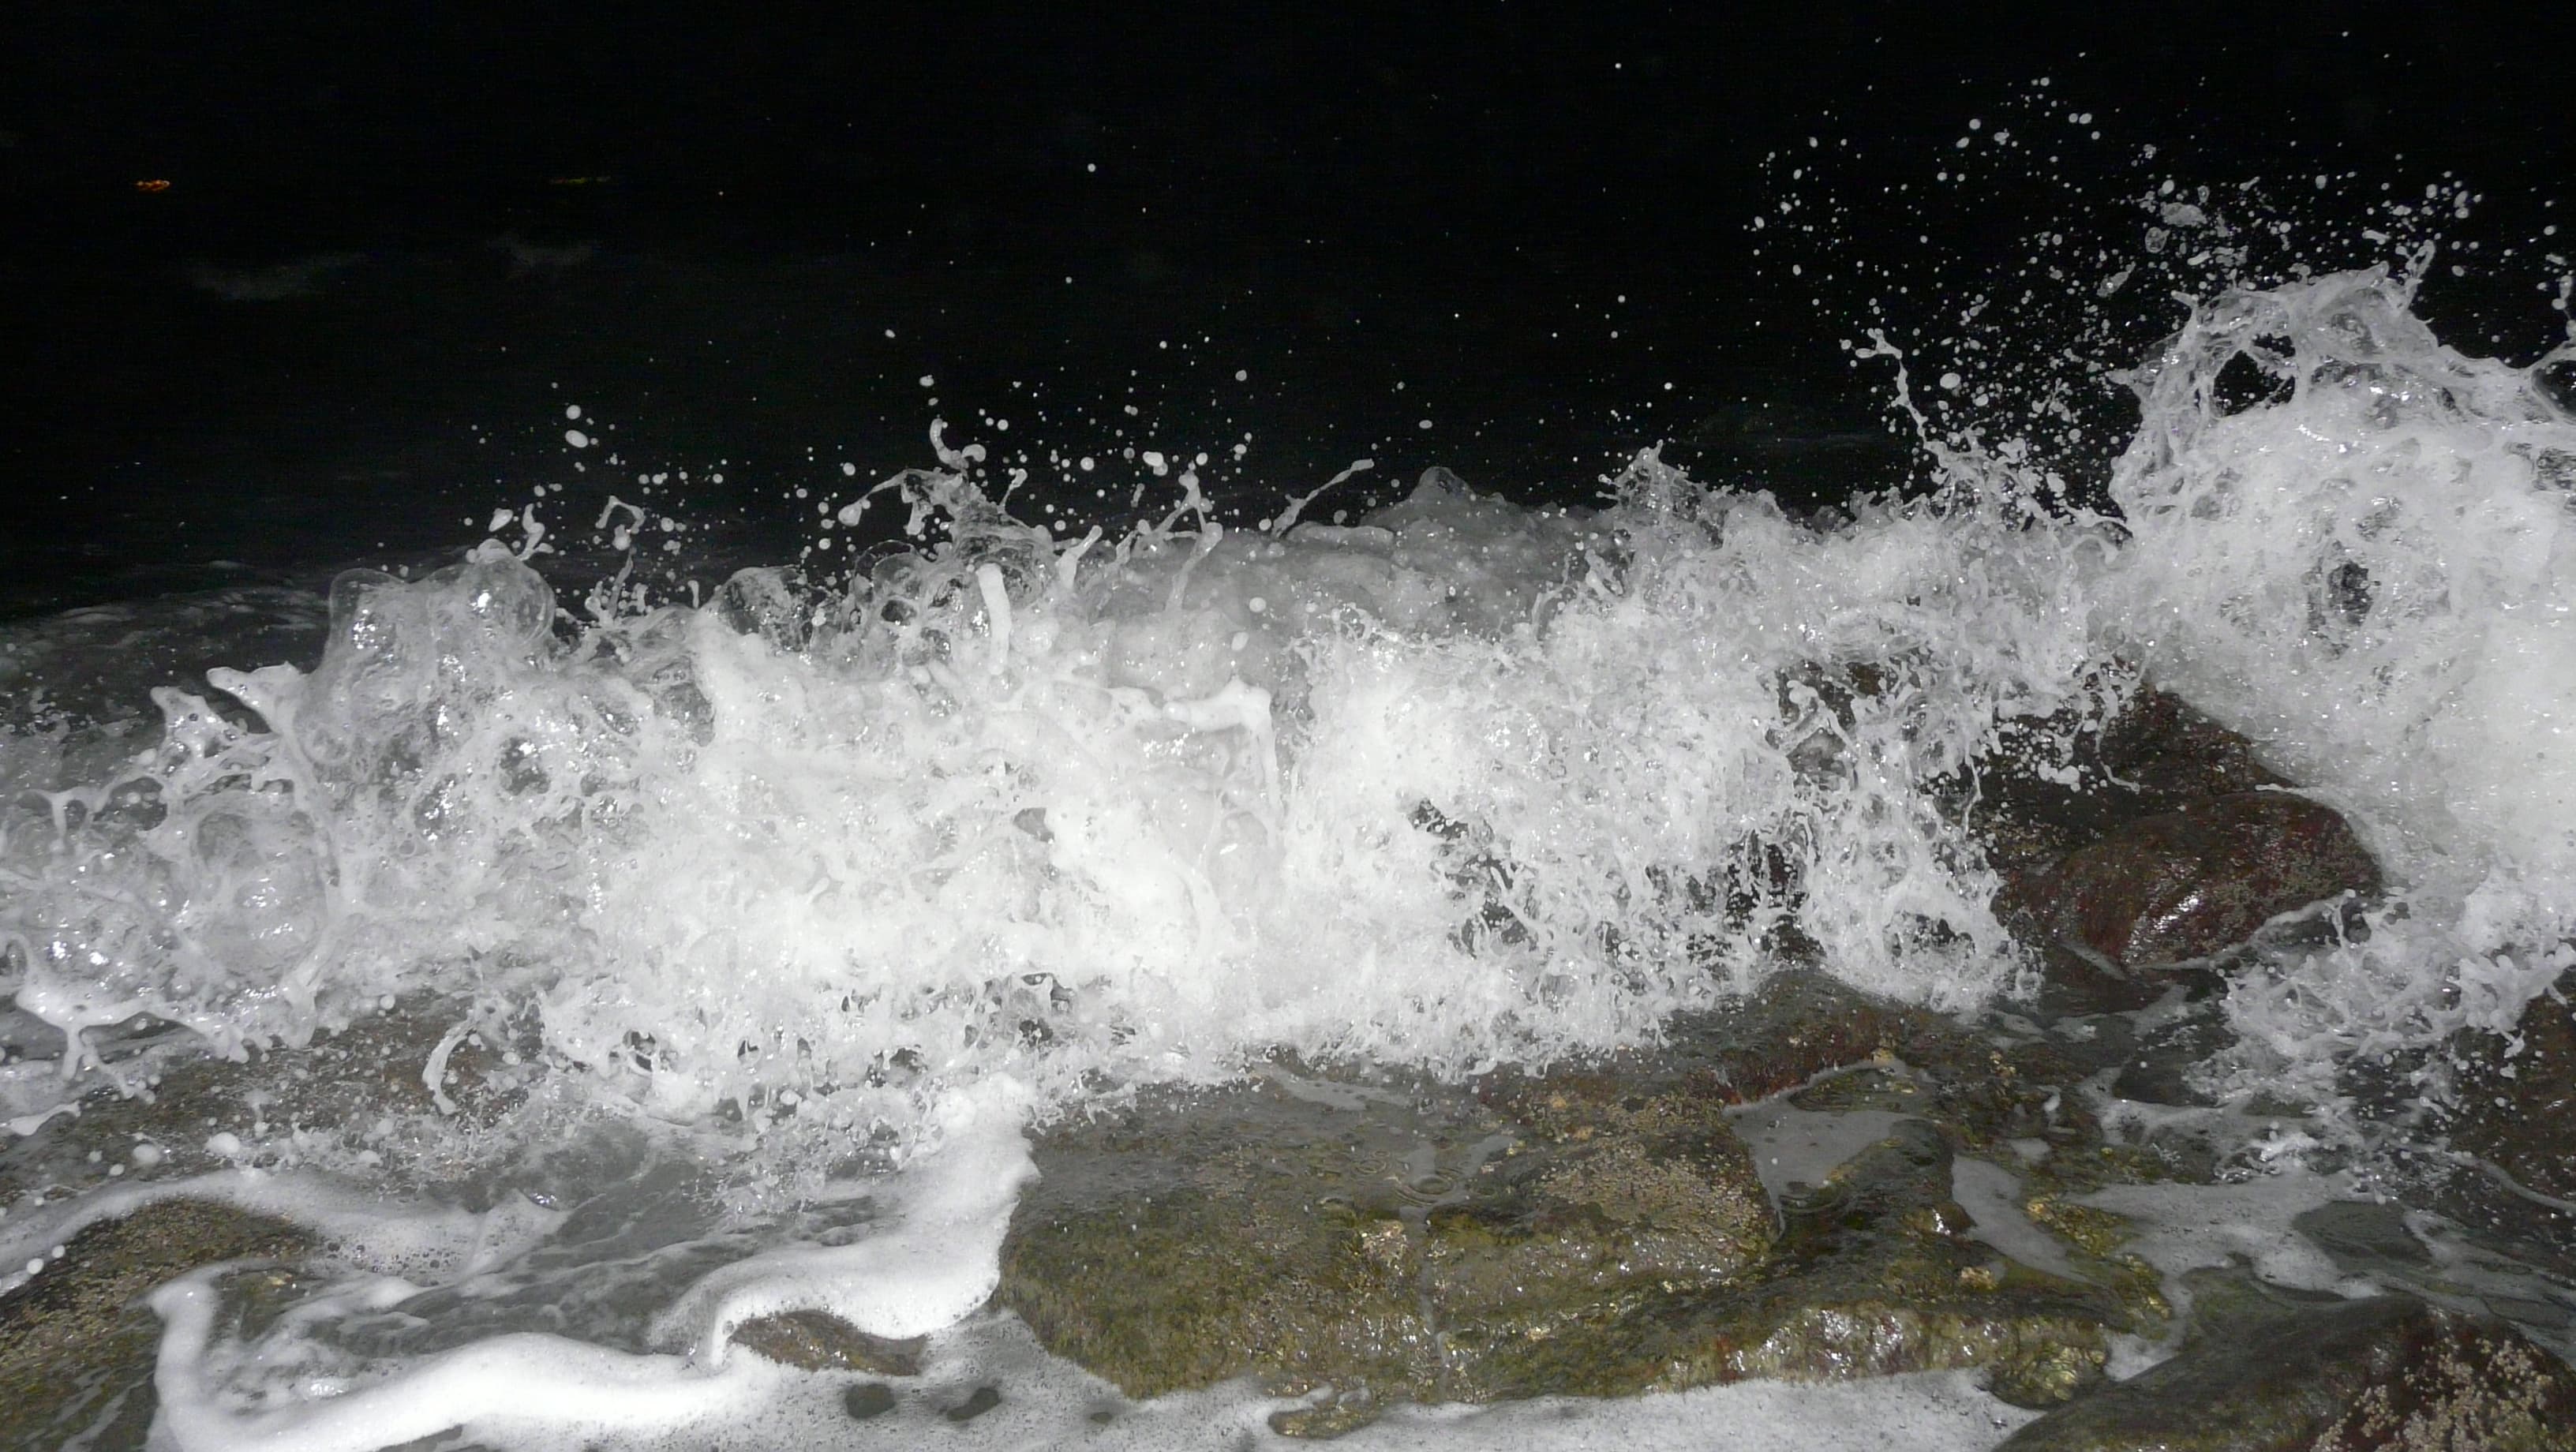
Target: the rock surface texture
pixel 2163 842
pixel 2264 1370
pixel 1598 1231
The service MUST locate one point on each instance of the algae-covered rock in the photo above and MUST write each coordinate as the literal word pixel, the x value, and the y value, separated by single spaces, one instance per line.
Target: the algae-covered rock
pixel 1373 1241
pixel 2269 1370
pixel 1598 1230
pixel 1874 1273
pixel 821 1341
pixel 1615 1193
pixel 76 1342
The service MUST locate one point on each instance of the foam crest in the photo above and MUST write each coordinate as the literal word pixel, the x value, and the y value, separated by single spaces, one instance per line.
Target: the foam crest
pixel 1460 783
pixel 2354 545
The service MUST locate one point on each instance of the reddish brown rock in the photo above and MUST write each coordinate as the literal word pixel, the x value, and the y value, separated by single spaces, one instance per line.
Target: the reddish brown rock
pixel 2157 756
pixel 2164 749
pixel 2190 883
pixel 2146 842
pixel 2517 1099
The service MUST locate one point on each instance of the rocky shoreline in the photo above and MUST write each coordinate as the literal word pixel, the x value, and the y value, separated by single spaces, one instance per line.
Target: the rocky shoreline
pixel 1807 1184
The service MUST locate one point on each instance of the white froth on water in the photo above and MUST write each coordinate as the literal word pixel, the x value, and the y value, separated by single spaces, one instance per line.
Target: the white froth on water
pixel 547 1394
pixel 1931 1411
pixel 526 1388
pixel 933 1265
pixel 2371 572
pixel 2248 1223
pixel 1464 783
pixel 380 1237
pixel 940 1261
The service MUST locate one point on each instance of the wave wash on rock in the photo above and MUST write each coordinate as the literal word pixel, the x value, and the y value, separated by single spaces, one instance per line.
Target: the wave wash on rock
pixel 2357 547
pixel 1462 783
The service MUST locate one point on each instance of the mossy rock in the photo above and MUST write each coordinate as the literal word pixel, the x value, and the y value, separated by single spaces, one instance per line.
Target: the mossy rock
pixel 76 1338
pixel 1592 1231
pixel 2269 1370
pixel 1377 1244
pixel 1874 1274
pixel 821 1341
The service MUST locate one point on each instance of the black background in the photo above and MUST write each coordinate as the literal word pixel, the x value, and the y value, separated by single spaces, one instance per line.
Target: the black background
pixel 1339 199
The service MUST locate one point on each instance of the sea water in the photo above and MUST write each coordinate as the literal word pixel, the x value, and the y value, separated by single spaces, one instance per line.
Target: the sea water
pixel 794 911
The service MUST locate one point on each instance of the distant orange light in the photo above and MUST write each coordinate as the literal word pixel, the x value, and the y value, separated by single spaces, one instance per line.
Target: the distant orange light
pixel 577 181
pixel 154 185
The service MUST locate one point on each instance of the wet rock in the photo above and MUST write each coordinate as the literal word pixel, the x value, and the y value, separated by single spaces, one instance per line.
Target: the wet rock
pixel 2160 747
pixel 2157 1069
pixel 2035 803
pixel 2188 884
pixel 75 1338
pixel 1875 1274
pixel 361 1086
pixel 1807 1034
pixel 869 1399
pixel 2498 1219
pixel 2502 1167
pixel 821 1341
pixel 1591 1231
pixel 2264 1369
pixel 2151 842
pixel 1374 1239
pixel 1800 1025
pixel 1154 1255
pixel 2365 1237
pixel 2517 1099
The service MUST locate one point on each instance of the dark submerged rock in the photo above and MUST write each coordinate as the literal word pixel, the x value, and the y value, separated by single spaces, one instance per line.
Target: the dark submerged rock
pixel 868 1400
pixel 2517 1098
pixel 2365 1237
pixel 2268 1370
pixel 339 1085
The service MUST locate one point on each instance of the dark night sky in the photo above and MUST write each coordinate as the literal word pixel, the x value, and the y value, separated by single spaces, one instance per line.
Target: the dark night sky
pixel 1253 122
pixel 1293 172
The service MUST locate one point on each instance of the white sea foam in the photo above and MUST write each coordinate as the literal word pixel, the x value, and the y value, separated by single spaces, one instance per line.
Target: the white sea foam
pixel 1466 783
pixel 546 1394
pixel 933 1263
pixel 2373 576
pixel 381 1237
